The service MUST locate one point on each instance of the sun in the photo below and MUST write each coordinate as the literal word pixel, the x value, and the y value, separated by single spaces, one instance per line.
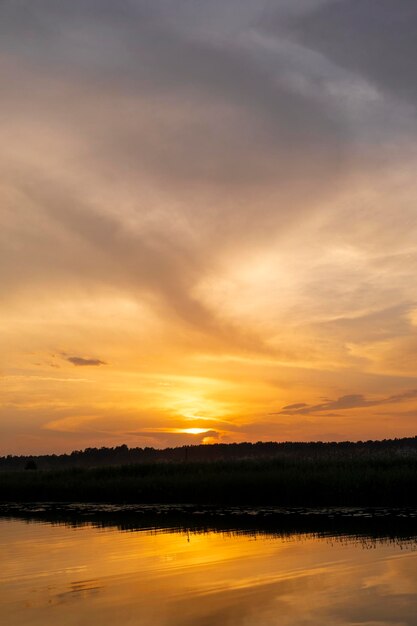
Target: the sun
pixel 194 431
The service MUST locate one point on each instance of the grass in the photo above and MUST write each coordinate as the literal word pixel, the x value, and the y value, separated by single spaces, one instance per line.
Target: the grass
pixel 383 480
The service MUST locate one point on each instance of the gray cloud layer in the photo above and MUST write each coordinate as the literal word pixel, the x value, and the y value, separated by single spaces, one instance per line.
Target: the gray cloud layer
pixel 192 109
pixel 137 100
pixel 215 112
pixel 376 38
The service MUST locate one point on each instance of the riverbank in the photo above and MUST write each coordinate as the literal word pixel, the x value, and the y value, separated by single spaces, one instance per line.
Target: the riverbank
pixel 382 481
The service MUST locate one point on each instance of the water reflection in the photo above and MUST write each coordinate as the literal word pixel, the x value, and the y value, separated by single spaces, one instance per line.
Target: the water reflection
pixel 368 524
pixel 84 574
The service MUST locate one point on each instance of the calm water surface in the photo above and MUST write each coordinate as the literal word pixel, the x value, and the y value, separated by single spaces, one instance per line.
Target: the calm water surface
pixel 55 574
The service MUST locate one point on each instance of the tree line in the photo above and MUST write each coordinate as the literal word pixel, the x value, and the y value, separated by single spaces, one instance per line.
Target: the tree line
pixel 123 455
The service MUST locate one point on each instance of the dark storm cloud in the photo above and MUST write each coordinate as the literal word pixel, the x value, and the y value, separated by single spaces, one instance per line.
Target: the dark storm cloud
pixel 375 38
pixel 352 401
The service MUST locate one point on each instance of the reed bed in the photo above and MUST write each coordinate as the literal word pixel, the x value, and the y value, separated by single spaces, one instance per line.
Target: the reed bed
pixel 383 480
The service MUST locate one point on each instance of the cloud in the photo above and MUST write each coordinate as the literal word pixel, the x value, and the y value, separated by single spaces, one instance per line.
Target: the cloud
pixel 197 136
pixel 376 325
pixel 198 184
pixel 295 407
pixel 375 38
pixel 47 379
pixel 79 361
pixel 351 401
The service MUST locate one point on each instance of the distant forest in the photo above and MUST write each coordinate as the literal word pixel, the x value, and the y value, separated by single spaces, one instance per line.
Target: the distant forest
pixel 123 455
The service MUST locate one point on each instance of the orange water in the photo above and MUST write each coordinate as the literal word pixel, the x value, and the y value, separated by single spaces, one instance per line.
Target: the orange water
pixel 62 576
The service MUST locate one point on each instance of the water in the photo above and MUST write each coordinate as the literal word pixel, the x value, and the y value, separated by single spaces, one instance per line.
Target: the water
pixel 55 574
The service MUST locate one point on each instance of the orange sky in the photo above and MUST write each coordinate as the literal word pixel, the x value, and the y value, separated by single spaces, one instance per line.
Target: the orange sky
pixel 208 222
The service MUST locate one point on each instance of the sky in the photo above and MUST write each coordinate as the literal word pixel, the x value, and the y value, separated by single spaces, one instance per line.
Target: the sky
pixel 208 222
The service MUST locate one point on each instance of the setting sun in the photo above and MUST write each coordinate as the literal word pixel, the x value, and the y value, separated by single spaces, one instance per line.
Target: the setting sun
pixel 194 431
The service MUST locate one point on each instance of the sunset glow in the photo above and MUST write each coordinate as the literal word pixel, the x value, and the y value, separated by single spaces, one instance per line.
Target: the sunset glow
pixel 208 222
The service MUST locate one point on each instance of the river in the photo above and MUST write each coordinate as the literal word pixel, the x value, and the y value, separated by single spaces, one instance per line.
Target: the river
pixel 83 574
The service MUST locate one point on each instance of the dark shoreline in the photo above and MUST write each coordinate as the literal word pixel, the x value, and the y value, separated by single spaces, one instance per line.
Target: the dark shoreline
pixel 261 451
pixel 384 481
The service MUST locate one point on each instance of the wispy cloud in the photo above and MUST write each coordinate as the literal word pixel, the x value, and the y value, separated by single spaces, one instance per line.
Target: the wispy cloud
pixel 351 401
pixel 54 379
pixel 216 189
pixel 384 35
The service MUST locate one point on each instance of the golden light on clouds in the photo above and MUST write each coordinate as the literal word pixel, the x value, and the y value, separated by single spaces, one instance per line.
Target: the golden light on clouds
pixel 204 220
